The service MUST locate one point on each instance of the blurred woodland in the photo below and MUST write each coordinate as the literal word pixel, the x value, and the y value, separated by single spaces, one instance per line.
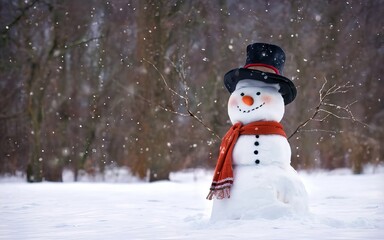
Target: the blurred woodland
pixel 91 85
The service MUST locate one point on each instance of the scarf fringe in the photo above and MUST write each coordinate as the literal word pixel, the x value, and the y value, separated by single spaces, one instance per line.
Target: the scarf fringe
pixel 219 193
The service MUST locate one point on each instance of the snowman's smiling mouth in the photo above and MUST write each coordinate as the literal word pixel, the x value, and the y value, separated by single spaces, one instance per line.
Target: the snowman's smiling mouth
pixel 250 110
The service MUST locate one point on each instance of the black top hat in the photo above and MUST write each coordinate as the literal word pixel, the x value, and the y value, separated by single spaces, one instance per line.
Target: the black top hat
pixel 264 55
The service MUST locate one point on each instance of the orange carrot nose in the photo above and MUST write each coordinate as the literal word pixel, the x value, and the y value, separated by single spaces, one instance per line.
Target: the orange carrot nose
pixel 247 100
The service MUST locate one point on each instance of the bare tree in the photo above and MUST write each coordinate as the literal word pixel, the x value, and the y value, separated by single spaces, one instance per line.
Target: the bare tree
pixel 137 84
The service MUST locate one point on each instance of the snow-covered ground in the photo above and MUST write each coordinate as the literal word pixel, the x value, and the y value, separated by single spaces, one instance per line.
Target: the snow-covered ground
pixel 342 205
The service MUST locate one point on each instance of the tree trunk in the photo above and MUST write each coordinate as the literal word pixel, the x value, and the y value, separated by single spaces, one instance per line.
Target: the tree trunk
pixel 151 149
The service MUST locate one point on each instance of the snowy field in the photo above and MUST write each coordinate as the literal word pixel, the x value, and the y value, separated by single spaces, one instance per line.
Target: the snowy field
pixel 342 205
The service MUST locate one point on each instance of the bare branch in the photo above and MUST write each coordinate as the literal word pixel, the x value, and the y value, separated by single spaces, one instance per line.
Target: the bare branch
pixel 84 41
pixel 322 130
pixel 184 98
pixel 329 109
pixel 18 18
pixel 329 113
pixel 165 81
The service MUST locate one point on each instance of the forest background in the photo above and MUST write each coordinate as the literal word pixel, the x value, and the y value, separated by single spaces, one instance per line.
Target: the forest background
pixel 92 85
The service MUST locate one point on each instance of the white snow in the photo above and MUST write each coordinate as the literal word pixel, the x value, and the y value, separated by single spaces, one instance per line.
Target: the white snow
pixel 342 206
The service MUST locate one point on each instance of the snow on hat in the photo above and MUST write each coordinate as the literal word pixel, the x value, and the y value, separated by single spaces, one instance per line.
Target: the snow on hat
pixel 263 55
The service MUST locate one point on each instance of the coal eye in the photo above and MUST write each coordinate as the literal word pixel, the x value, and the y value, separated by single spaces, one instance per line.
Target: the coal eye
pixel 241 94
pixel 258 93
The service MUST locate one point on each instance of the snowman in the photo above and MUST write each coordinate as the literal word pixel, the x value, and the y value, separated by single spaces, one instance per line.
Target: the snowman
pixel 253 175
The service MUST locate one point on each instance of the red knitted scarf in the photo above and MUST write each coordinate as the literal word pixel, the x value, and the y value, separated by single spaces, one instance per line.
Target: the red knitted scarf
pixel 223 177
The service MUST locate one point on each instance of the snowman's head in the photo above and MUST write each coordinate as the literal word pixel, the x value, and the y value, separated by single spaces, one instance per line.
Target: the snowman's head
pixel 255 101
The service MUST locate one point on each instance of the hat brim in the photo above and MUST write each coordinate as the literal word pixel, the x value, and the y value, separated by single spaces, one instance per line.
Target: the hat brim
pixel 287 88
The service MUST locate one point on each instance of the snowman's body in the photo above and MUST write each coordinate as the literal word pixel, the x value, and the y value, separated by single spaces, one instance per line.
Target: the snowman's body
pixel 265 184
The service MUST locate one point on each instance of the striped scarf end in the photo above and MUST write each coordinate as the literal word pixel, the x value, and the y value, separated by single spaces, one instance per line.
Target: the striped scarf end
pixel 219 193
